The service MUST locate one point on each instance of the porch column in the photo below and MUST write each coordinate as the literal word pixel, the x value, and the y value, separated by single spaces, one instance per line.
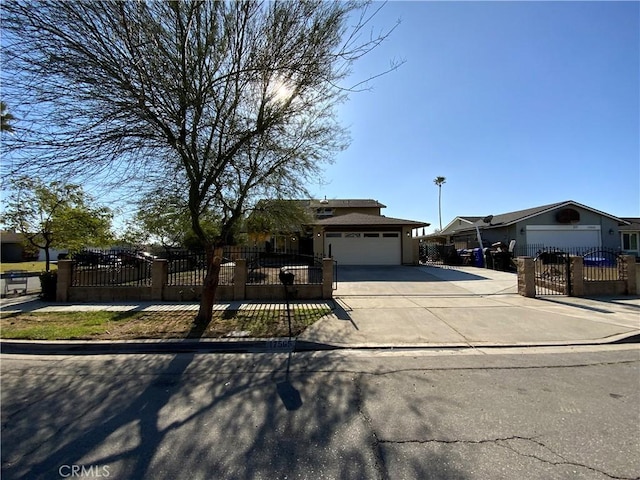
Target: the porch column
pixel 526 277
pixel 327 278
pixel 629 262
pixel 64 280
pixel 576 266
pixel 159 278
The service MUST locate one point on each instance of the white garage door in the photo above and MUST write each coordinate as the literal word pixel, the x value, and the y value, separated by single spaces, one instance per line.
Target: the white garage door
pixel 364 248
pixel 579 236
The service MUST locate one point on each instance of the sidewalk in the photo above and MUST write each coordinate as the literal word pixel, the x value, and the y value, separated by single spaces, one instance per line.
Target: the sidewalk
pixel 402 308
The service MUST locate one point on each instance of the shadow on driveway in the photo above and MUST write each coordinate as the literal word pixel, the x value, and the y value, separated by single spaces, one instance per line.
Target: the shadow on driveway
pixel 391 273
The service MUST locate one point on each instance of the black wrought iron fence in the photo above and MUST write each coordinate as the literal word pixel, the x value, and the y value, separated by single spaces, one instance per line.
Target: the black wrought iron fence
pixel 95 268
pixel 189 268
pixel 186 267
pixel 438 254
pixel 264 268
pixel 552 266
pixel 552 273
pixel 603 265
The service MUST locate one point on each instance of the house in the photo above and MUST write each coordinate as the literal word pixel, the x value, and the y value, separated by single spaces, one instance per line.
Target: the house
pixel 354 232
pixel 15 248
pixel 11 246
pixel 565 224
pixel 630 236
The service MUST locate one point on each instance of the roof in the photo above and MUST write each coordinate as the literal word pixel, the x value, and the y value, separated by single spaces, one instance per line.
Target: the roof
pixel 634 224
pixel 346 203
pixel 362 219
pixel 11 237
pixel 450 227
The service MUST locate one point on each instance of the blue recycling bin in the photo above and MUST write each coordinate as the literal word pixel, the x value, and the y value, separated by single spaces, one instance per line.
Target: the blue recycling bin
pixel 478 257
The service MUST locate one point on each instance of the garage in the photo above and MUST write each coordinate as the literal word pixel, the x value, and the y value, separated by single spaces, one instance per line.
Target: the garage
pixel 564 236
pixel 364 248
pixel 362 239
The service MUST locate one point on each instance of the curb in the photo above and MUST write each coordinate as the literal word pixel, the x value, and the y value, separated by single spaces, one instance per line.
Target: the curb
pixel 268 345
pixel 78 347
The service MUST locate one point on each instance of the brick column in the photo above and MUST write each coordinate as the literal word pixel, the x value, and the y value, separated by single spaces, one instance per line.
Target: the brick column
pixel 240 275
pixel 64 280
pixel 526 277
pixel 327 278
pixel 632 280
pixel 159 278
pixel 576 265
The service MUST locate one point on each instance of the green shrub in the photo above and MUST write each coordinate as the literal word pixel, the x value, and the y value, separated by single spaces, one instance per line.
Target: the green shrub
pixel 49 283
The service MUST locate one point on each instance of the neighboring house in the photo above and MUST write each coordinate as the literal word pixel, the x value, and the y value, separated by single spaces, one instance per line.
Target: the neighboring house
pixel 13 250
pixel 630 236
pixel 11 247
pixel 565 224
pixel 354 232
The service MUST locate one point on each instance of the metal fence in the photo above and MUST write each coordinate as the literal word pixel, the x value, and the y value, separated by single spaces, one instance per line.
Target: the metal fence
pixel 185 268
pixel 99 268
pixel 552 266
pixel 264 268
pixel 190 268
pixel 438 254
pixel 600 264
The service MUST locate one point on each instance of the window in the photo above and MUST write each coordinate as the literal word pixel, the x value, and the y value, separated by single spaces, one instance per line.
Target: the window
pixel 390 235
pixel 352 235
pixel 334 235
pixel 371 235
pixel 630 241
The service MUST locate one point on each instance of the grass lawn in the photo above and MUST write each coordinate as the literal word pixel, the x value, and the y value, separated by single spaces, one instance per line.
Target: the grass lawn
pixel 28 266
pixel 260 322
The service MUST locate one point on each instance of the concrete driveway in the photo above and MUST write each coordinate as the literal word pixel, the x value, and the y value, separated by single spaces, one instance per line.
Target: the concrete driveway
pixel 421 280
pixel 466 306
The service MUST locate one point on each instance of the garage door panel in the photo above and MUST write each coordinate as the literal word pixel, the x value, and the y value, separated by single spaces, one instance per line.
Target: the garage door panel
pixel 365 249
pixel 564 238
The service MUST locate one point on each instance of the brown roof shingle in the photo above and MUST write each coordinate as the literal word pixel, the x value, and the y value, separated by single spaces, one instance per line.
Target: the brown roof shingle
pixel 361 219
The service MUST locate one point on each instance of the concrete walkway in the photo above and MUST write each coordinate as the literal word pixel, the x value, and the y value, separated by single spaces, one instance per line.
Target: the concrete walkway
pixel 383 307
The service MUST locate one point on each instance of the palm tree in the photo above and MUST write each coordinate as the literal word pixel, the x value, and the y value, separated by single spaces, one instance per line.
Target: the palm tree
pixel 7 118
pixel 439 181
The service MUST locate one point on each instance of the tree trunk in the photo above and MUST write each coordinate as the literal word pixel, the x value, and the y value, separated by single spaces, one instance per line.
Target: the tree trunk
pixel 47 258
pixel 210 286
pixel 440 206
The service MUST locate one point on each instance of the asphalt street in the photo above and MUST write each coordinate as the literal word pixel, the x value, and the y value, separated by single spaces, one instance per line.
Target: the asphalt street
pixel 467 413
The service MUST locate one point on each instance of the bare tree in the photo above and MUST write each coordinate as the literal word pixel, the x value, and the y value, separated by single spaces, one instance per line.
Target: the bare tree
pixel 7 119
pixel 231 101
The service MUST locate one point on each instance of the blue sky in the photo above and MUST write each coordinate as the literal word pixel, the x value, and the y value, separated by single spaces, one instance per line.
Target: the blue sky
pixel 517 104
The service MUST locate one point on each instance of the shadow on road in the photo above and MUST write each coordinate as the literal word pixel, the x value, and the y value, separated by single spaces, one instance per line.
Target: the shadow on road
pixel 184 416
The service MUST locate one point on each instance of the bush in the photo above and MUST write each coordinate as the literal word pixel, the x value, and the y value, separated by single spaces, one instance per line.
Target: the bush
pixel 49 283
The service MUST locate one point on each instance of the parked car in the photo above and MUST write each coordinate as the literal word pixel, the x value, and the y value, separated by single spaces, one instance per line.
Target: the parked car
pixel 135 258
pixel 90 258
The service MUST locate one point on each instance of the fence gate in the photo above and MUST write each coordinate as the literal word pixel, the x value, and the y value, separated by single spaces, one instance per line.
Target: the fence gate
pixel 553 273
pixel 438 255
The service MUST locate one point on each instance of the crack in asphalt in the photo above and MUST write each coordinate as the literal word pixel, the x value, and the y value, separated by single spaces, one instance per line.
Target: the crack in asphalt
pixel 503 442
pixel 375 443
